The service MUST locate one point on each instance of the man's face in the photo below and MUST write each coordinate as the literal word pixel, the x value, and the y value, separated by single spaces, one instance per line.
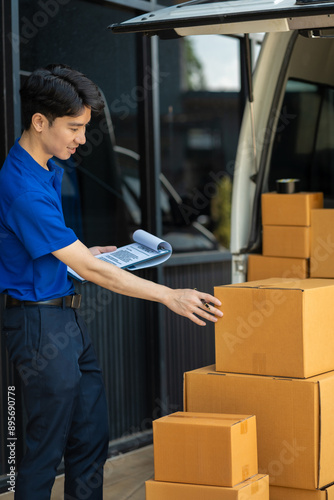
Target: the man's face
pixel 66 133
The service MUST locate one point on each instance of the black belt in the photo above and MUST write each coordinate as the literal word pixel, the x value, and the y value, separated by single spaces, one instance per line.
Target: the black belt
pixel 72 301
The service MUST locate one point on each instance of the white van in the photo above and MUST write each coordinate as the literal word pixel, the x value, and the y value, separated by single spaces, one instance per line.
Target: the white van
pixel 288 124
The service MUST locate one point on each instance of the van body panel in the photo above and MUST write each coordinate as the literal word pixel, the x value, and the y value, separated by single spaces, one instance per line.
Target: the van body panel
pixel 321 53
pixel 306 60
pixel 248 159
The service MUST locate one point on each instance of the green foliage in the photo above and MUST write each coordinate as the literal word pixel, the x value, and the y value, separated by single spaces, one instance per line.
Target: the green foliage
pixel 195 79
pixel 221 211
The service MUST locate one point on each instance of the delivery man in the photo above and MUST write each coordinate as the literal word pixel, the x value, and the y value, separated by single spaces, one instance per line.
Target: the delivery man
pixel 64 394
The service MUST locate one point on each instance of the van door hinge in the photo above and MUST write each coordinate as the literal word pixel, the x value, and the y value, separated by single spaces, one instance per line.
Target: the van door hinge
pixel 239 264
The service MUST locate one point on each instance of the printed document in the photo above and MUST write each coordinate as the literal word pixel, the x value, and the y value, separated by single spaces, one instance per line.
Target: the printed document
pixel 146 251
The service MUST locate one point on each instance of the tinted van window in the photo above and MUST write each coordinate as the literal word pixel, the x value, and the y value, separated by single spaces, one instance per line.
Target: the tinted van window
pixel 304 143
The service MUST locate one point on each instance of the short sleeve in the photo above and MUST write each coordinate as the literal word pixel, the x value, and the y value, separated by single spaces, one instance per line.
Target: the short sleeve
pixel 39 224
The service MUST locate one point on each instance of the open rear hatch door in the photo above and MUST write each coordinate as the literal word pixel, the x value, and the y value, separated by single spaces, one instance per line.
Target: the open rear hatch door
pixel 204 17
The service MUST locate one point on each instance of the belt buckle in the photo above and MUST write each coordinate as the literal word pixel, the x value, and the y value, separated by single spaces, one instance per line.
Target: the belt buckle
pixel 76 301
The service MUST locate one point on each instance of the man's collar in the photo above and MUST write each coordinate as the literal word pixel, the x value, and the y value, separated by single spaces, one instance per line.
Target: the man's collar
pixel 34 167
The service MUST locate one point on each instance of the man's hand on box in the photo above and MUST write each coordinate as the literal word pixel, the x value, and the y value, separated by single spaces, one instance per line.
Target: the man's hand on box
pixel 192 303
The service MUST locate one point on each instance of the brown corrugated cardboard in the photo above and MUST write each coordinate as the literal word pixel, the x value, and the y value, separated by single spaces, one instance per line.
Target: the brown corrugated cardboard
pixel 256 488
pixel 330 493
pixel 286 241
pixel 281 493
pixel 216 450
pixel 322 244
pixel 276 327
pixel 261 267
pixel 289 209
pixel 294 420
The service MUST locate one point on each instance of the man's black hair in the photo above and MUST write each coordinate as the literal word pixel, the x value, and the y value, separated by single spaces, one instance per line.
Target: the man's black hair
pixel 58 90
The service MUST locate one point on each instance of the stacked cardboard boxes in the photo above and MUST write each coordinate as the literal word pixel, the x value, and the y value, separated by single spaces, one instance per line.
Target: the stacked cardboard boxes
pixel 199 456
pixel 322 244
pixel 294 421
pixel 275 359
pixel 277 493
pixel 286 220
pixel 256 488
pixel 276 327
pixel 261 267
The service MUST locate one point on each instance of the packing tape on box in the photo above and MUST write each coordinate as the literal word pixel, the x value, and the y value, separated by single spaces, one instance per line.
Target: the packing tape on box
pixel 254 487
pixel 244 427
pixel 245 472
pixel 259 362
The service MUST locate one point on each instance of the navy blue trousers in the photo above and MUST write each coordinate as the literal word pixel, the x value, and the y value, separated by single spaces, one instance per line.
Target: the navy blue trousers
pixel 65 402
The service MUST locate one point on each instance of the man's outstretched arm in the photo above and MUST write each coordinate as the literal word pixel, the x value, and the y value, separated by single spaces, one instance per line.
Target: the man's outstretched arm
pixel 185 302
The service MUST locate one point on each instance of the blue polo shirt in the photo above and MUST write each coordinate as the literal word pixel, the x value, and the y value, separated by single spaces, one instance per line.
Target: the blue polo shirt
pixel 31 227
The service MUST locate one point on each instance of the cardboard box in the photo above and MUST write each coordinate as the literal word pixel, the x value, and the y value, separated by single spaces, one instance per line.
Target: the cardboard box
pixel 294 420
pixel 261 267
pixel 256 488
pixel 280 493
pixel 322 244
pixel 289 209
pixel 216 450
pixel 286 241
pixel 276 327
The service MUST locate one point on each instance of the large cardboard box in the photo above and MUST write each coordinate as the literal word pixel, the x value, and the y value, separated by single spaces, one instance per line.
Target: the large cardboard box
pixel 281 493
pixel 256 488
pixel 261 267
pixel 322 244
pixel 216 450
pixel 286 241
pixel 289 209
pixel 295 424
pixel 276 327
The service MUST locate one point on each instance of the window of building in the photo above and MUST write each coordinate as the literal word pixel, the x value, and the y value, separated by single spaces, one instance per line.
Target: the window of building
pixel 199 105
